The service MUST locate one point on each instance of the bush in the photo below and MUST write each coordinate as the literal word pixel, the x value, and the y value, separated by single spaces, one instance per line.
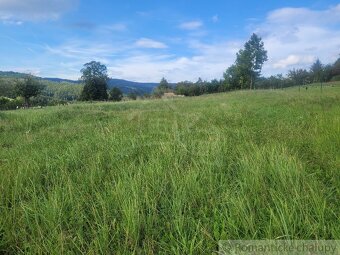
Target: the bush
pixel 115 94
pixel 336 78
pixel 10 104
pixel 132 96
pixel 41 100
pixel 55 102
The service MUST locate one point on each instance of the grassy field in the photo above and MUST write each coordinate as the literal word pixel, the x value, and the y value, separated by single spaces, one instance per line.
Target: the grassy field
pixel 170 176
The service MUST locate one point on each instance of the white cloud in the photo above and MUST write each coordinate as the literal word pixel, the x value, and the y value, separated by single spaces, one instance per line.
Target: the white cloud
pixel 208 61
pixel 295 37
pixel 86 51
pixel 215 18
pixel 126 61
pixel 118 27
pixel 29 10
pixel 149 43
pixel 13 22
pixel 192 25
pixel 307 16
pixel 291 41
pixel 292 60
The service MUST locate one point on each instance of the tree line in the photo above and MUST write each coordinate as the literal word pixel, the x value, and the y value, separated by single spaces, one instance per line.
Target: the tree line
pixel 317 73
pixel 17 92
pixel 245 73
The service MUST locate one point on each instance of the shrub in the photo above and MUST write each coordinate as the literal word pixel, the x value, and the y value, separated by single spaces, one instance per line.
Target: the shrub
pixel 10 104
pixel 336 78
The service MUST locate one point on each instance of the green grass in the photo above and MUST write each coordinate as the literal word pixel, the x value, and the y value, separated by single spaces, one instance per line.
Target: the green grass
pixel 170 176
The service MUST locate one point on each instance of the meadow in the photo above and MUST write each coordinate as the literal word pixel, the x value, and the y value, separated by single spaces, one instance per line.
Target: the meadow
pixel 171 176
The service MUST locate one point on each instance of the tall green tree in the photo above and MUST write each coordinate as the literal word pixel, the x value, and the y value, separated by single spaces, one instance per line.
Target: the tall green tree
pixel 249 61
pixel 164 84
pixel 327 73
pixel 232 77
pixel 162 88
pixel 28 87
pixel 299 76
pixel 94 76
pixel 248 65
pixel 316 71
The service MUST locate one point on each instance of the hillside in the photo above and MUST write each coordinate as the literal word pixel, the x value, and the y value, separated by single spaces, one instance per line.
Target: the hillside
pixel 126 86
pixel 132 87
pixel 170 176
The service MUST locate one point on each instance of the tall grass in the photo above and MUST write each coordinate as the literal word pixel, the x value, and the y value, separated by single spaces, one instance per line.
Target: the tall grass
pixel 170 176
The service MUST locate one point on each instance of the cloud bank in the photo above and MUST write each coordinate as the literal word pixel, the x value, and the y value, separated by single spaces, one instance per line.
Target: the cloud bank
pixel 149 43
pixel 294 38
pixel 192 25
pixel 33 10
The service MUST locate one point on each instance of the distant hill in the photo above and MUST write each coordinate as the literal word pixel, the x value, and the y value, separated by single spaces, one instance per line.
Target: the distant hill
pixel 126 86
pixel 59 80
pixel 132 87
pixel 11 74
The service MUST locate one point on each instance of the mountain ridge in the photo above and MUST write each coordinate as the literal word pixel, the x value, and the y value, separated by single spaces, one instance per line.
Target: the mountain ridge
pixel 125 85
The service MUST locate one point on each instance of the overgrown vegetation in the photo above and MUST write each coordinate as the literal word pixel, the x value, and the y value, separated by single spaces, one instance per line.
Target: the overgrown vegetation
pixel 28 87
pixel 170 176
pixel 53 93
pixel 115 94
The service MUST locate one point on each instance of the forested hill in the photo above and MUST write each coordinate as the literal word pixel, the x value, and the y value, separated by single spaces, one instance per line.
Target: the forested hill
pixel 11 74
pixel 126 86
pixel 131 86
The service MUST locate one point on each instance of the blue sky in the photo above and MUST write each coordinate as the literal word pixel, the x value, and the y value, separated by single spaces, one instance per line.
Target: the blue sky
pixel 146 40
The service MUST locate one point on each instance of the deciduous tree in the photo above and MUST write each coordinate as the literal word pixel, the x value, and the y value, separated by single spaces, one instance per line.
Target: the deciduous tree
pixel 249 61
pixel 162 88
pixel 299 76
pixel 248 65
pixel 316 71
pixel 28 87
pixel 94 76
